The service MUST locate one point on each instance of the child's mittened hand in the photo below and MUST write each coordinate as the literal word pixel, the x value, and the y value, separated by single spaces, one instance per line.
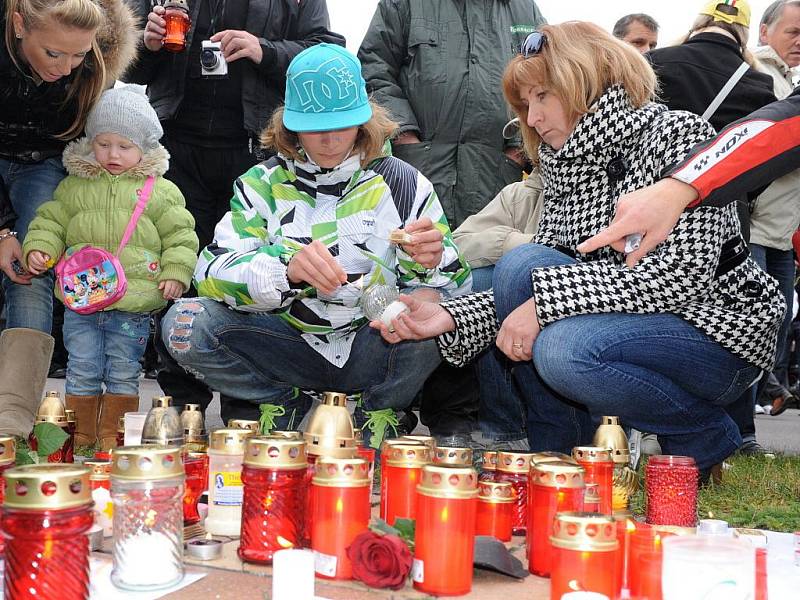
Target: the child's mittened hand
pixel 172 289
pixel 38 262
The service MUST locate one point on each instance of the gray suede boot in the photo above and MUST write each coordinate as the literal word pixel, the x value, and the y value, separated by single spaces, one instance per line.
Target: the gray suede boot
pixel 24 361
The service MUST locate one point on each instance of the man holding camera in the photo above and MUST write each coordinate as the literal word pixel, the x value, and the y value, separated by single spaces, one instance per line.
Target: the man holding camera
pixel 213 99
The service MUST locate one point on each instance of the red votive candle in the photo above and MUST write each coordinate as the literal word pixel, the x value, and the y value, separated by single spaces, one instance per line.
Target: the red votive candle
pixel 496 502
pixel 177 25
pixel 399 478
pixel 671 484
pixel 8 456
pixel 488 465
pixel 584 555
pixel 598 467
pixel 648 575
pixel 591 499
pixel 195 466
pixel 447 500
pixel 274 500
pixel 340 510
pixel 514 467
pixel 555 487
pixel 46 514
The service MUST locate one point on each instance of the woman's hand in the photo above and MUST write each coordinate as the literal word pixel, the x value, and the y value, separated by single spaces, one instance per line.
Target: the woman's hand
pixel 423 321
pixel 519 331
pixel 315 265
pixel 172 289
pixel 427 248
pixel 155 29
pixel 10 251
pixel 651 212
pixel 38 262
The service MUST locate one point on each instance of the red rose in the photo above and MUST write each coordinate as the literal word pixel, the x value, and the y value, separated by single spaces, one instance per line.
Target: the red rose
pixel 380 561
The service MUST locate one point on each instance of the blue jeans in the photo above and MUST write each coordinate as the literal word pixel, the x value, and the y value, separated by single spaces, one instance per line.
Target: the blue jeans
pixel 258 358
pixel 501 411
pixel 28 187
pixel 656 372
pixel 105 348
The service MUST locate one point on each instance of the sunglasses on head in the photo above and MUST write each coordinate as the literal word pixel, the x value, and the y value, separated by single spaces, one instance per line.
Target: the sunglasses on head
pixel 533 44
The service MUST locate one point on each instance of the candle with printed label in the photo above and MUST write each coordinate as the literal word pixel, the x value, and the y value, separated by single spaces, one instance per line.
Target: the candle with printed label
pixel 225 492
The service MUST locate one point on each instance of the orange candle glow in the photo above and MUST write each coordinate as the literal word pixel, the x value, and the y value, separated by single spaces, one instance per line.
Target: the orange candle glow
pixel 445 533
pixel 340 511
pixel 399 478
pixel 515 467
pixel 598 466
pixel 495 516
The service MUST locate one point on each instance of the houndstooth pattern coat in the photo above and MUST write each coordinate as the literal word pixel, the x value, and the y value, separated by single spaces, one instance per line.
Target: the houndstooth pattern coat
pixel 614 150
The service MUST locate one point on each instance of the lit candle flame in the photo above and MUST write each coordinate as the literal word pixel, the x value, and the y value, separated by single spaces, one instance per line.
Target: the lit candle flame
pixel 445 514
pixel 631 526
pixel 283 542
pixel 657 541
pixel 150 519
pixel 208 536
pixel 575 585
pixel 339 505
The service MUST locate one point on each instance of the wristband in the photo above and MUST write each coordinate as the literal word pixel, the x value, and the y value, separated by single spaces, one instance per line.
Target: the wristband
pixel 8 234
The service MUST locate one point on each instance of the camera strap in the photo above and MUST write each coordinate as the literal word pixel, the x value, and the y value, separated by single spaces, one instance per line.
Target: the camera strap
pixel 217 9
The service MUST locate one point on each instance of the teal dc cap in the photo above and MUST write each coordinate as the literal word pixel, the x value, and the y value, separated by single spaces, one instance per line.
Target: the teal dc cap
pixel 325 91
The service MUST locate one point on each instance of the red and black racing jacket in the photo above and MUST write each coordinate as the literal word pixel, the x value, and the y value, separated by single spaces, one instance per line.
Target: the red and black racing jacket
pixel 747 155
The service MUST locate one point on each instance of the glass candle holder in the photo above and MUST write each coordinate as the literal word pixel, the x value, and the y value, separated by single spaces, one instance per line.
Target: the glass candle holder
pixel 195 465
pixel 46 515
pixel 455 457
pixel 225 455
pixel 495 513
pixel 447 499
pixel 8 456
pixel 274 477
pixel 598 467
pixel 147 491
pixel 555 487
pixel 585 551
pixel 399 479
pixel 514 467
pixel 177 19
pixel 671 484
pixel 340 512
pixel 488 465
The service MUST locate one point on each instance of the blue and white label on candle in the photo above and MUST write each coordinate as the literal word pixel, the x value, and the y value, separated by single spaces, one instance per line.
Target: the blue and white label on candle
pixel 228 490
pixel 418 571
pixel 325 564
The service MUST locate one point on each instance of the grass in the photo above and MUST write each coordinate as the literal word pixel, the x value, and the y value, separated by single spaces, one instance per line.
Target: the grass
pixel 756 492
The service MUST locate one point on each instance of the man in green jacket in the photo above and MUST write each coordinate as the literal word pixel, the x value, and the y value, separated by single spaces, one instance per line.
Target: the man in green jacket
pixel 437 66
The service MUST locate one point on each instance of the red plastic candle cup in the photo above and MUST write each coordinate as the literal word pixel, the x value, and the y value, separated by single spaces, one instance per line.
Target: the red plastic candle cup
pixel 315 451
pixel 195 465
pixel 671 485
pixel 177 19
pixel 274 499
pixel 584 554
pixel 46 515
pixel 514 467
pixel 488 465
pixel 8 456
pixel 555 487
pixel 368 454
pixel 340 512
pixel 100 475
pixel 648 568
pixel 447 500
pixel 399 478
pixel 598 466
pixel 496 502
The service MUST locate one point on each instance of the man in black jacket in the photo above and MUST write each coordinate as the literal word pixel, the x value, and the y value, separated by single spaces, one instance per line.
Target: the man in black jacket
pixel 211 124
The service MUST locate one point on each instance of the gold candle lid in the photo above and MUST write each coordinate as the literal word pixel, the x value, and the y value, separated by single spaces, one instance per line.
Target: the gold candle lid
pixel 401 441
pixel 448 455
pixel 70 414
pixel 51 410
pixel 428 440
pixel 47 486
pixel 496 492
pixel 253 426
pixel 162 401
pixel 611 435
pixel 585 532
pixel 289 435
pixel 558 475
pixel 408 454
pixel 549 456
pixel 489 460
pixel 275 452
pixel 591 494
pixel 341 472
pixel 334 399
pixel 514 462
pixel 146 463
pixel 445 481
pixel 229 441
pixel 8 449
pixel 591 454
pixel 100 469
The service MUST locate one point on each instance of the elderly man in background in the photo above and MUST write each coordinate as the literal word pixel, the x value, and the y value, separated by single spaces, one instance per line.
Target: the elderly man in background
pixel 639 30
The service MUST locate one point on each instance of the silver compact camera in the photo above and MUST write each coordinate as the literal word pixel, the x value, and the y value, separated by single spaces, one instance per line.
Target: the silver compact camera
pixel 212 62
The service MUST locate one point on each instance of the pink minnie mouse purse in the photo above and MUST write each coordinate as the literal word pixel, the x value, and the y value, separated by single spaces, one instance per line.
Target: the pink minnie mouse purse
pixel 92 278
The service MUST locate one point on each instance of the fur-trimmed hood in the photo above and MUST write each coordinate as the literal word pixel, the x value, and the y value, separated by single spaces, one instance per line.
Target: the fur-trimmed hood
pixel 79 161
pixel 118 38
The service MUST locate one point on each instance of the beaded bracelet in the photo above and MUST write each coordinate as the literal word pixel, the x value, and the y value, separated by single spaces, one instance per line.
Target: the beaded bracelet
pixel 7 235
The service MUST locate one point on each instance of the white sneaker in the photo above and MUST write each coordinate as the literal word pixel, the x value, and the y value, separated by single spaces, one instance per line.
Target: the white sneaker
pixel 760 410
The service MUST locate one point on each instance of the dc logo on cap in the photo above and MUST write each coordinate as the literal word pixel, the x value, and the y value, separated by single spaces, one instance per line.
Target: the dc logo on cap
pixel 330 87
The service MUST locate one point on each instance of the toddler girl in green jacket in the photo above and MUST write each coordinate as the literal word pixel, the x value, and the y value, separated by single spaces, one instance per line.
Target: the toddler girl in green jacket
pixel 92 206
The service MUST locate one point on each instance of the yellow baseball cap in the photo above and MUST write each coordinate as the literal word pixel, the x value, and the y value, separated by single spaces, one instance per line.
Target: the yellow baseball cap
pixel 728 11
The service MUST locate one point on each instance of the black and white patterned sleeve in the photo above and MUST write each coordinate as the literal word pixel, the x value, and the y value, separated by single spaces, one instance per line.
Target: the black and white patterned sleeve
pixel 476 327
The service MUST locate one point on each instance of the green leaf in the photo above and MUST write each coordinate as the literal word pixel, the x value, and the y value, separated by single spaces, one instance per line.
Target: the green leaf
pixel 49 438
pixel 406 529
pixel 28 457
pixel 382 527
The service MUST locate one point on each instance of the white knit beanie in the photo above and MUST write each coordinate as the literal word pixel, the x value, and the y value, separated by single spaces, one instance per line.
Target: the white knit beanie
pixel 126 111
